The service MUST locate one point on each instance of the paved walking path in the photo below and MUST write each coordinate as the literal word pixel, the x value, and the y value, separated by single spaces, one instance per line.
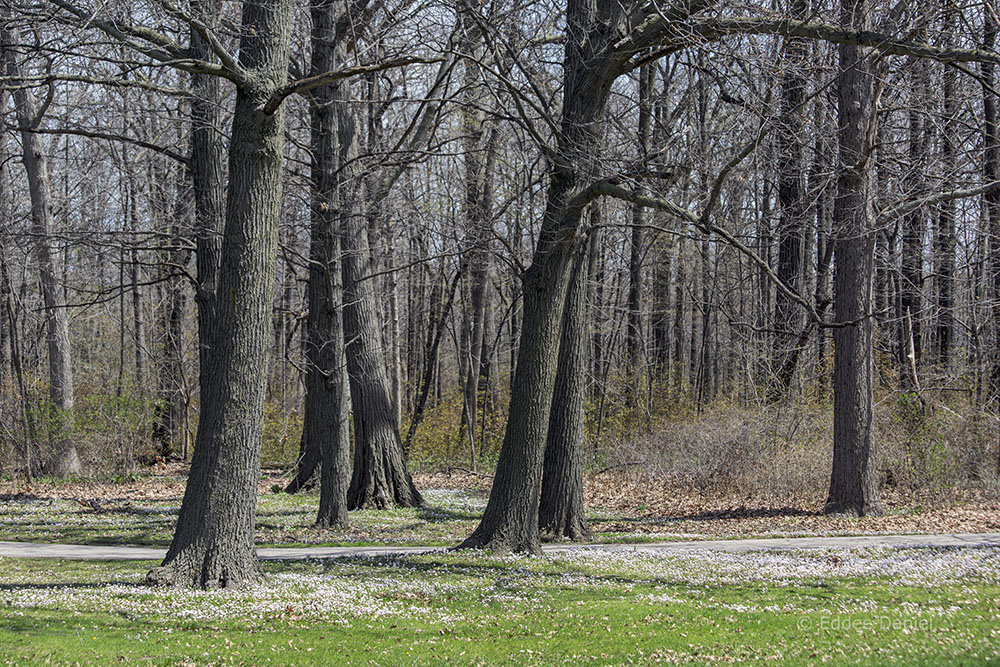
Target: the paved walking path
pixel 91 552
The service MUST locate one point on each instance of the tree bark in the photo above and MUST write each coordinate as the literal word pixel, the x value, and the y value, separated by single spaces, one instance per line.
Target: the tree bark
pixel 991 171
pixel 792 206
pixel 325 426
pixel 213 544
pixel 510 521
pixel 207 177
pixel 561 510
pixel 380 479
pixel 854 480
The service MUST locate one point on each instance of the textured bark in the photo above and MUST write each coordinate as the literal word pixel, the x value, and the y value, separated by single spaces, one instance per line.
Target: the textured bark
pixel 380 479
pixel 476 204
pixel 561 510
pixel 325 427
pixel 207 171
pixel 64 459
pixel 854 480
pixel 510 521
pixel 213 544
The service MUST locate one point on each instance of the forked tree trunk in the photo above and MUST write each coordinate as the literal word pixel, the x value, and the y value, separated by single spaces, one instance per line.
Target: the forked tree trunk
pixel 64 459
pixel 854 480
pixel 213 544
pixel 510 521
pixel 561 510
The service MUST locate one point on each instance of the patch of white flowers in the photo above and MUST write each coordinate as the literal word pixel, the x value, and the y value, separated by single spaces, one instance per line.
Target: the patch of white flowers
pixel 337 591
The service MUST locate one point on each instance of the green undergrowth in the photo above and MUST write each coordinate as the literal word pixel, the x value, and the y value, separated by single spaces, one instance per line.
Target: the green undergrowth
pixel 914 606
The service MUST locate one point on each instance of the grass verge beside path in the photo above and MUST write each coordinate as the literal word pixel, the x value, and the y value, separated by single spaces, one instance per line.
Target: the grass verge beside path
pixel 915 605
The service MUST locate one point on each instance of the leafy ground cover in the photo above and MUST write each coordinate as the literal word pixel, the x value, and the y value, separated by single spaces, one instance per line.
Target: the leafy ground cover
pixel 912 605
pixel 621 508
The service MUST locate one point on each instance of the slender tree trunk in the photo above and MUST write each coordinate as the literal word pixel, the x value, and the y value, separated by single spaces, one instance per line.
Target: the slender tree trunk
pixel 561 510
pixel 792 204
pixel 912 256
pixel 991 172
pixel 64 459
pixel 325 427
pixel 213 545
pixel 207 169
pixel 854 480
pixel 945 236
pixel 634 330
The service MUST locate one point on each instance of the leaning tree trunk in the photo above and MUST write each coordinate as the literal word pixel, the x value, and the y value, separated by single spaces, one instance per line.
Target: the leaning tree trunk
pixel 213 544
pixel 326 401
pixel 854 480
pixel 561 510
pixel 64 459
pixel 380 479
pixel 510 521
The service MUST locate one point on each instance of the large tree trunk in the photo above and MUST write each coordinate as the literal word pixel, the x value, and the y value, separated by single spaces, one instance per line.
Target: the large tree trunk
pixel 213 545
pixel 561 510
pixel 380 479
pixel 510 522
pixel 854 480
pixel 64 459
pixel 325 428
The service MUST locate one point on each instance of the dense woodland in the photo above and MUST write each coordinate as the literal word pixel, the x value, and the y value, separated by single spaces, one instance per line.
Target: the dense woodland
pixel 522 238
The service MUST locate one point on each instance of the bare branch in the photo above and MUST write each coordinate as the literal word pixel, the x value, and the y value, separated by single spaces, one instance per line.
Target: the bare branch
pixel 307 84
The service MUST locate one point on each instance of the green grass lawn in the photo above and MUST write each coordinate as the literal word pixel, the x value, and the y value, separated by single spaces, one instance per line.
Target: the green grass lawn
pixel 872 606
pixel 449 516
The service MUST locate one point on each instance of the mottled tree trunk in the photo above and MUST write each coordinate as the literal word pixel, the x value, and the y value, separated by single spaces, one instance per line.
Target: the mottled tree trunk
pixel 854 480
pixel 213 545
pixel 64 459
